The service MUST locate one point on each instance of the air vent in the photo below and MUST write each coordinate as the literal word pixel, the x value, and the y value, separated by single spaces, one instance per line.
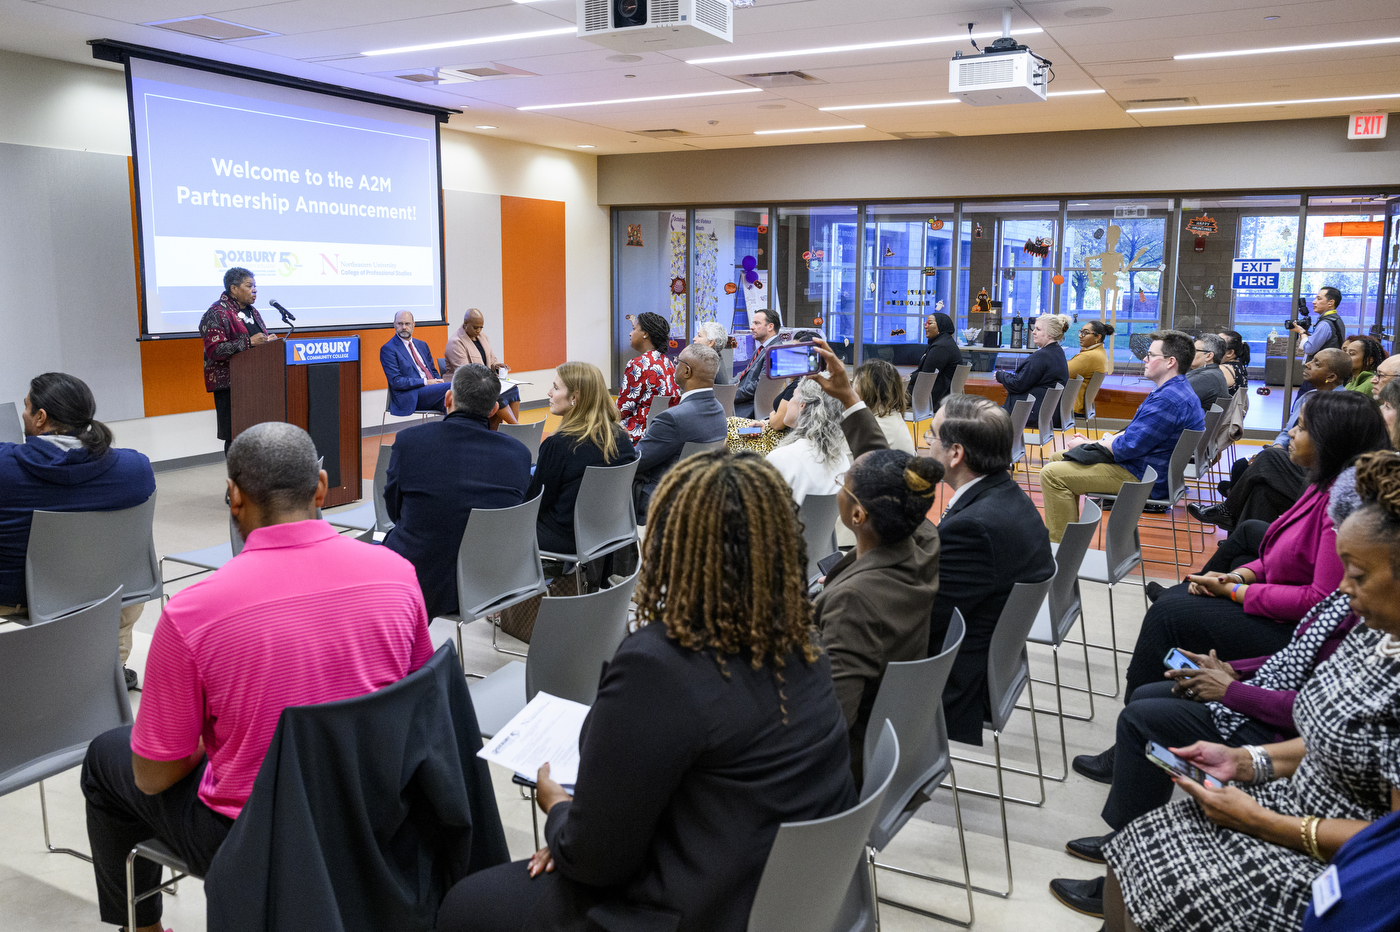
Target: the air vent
pixel 419 77
pixel 986 71
pixel 1160 102
pixel 931 134
pixel 207 27
pixel 664 11
pixel 490 71
pixel 712 13
pixel 778 79
pixel 663 133
pixel 596 15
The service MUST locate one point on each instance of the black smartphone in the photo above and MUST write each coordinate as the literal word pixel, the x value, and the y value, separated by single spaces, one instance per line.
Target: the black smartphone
pixel 1176 660
pixel 793 359
pixel 1173 764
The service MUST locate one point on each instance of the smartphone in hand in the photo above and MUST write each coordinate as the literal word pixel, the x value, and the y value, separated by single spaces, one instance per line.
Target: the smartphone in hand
pixel 793 359
pixel 1175 765
pixel 1176 660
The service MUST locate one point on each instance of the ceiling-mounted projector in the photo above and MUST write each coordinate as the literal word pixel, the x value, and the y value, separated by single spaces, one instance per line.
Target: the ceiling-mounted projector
pixel 655 25
pixel 1005 72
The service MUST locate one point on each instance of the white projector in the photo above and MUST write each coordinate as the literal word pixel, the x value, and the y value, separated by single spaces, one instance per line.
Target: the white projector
pixel 998 78
pixel 655 25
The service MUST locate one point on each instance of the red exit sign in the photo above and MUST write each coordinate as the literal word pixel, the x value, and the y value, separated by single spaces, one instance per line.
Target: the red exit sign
pixel 1366 125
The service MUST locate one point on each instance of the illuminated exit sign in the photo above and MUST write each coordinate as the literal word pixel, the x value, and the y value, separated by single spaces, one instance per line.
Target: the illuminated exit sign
pixel 1366 125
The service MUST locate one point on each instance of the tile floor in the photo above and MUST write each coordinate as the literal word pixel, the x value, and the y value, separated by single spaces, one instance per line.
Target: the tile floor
pixel 55 893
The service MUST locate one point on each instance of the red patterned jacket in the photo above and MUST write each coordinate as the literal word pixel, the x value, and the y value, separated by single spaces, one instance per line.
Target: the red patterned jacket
pixel 645 377
pixel 224 334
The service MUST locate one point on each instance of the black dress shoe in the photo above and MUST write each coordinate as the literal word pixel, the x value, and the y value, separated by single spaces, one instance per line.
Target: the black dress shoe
pixel 1155 590
pixel 1224 486
pixel 130 676
pixel 1082 896
pixel 1091 848
pixel 1213 514
pixel 1097 767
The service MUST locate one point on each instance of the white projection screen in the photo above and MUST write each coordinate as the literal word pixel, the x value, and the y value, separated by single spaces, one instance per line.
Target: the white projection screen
pixel 332 203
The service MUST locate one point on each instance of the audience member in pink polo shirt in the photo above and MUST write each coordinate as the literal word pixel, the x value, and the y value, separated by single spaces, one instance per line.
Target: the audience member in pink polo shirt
pixel 301 616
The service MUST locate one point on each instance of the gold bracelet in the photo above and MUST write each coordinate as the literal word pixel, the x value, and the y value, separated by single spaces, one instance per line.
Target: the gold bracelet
pixel 1303 832
pixel 1313 849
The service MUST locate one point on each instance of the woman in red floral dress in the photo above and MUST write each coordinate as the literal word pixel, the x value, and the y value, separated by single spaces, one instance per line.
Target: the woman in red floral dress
pixel 647 375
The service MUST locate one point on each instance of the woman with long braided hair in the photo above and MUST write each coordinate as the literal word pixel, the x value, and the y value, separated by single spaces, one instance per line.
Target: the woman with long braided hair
pixel 714 722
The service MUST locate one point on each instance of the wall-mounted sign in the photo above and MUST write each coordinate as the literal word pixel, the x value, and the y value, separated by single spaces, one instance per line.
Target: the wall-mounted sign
pixel 1255 274
pixel 1367 125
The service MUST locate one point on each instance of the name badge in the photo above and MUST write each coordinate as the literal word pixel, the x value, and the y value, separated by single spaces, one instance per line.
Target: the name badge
pixel 1327 890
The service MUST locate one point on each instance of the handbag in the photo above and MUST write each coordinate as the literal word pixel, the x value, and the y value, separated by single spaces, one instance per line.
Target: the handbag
pixel 1089 454
pixel 519 619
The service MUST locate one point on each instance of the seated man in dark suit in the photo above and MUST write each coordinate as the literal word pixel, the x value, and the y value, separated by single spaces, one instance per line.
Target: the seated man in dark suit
pixel 440 471
pixel 765 326
pixel 990 536
pixel 414 383
pixel 697 418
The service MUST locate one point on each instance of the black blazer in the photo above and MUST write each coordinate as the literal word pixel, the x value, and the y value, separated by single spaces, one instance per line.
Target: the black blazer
pixel 559 473
pixel 699 418
pixel 686 771
pixel 992 538
pixel 438 473
pixel 748 380
pixel 1036 375
pixel 944 355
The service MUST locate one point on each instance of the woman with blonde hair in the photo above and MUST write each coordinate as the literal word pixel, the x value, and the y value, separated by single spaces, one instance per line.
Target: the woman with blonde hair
pixel 878 384
pixel 715 722
pixel 590 434
pixel 1040 371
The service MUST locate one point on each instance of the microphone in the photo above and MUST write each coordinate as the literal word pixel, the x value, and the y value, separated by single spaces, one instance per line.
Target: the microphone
pixel 287 315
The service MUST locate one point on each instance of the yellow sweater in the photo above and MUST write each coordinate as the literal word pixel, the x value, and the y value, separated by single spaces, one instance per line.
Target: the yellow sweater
pixel 1086 363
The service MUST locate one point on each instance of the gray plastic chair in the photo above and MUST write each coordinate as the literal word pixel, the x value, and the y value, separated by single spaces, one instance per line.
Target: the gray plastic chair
pixel 206 559
pixel 807 883
pixel 1044 431
pixel 765 393
pixel 1008 675
pixel 1067 399
pixel 818 514
pixel 921 401
pixel 1020 414
pixel 1060 610
pixel 1091 417
pixel 529 434
pixel 724 394
pixel 1207 451
pixel 692 447
pixel 907 700
pixel 498 565
pixel 371 516
pixel 959 383
pixel 61 685
pixel 574 636
pixel 11 427
pixel 605 517
pixel 76 557
pixel 658 404
pixel 1121 554
pixel 1176 491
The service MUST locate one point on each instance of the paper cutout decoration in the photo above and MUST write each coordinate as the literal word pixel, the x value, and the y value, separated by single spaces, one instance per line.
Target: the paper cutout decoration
pixel 1210 292
pixel 1009 274
pixel 1202 226
pixel 984 301
pixel 897 332
pixel 1040 247
pixel 634 234
pixel 1098 234
pixel 938 306
pixel 730 288
pixel 977 231
pixel 935 224
pixel 756 283
pixel 1057 278
pixel 673 344
pixel 762 229
pixel 821 253
pixel 870 286
pixel 807 254
pixel 760 250
pixel 678 286
pixel 816 321
pixel 889 251
pixel 1142 296
pixel 930 270
pixel 1262 390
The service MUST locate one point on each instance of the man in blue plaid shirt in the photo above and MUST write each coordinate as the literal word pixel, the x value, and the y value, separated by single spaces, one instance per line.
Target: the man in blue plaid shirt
pixel 1148 440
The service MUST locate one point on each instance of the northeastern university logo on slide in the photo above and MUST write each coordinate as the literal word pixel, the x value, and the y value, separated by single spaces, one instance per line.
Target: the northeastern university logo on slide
pixel 322 349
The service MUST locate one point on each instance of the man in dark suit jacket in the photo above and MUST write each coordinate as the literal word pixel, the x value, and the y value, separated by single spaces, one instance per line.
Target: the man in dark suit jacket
pixel 697 418
pixel 414 383
pixel 439 472
pixel 765 325
pixel 991 536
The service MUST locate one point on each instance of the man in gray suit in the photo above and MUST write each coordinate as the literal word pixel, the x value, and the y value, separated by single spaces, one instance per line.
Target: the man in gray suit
pixel 697 418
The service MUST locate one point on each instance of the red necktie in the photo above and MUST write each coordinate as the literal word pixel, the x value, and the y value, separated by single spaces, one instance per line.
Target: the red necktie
pixel 413 351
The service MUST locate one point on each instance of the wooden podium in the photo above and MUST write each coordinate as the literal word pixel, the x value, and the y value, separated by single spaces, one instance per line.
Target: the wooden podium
pixel 322 398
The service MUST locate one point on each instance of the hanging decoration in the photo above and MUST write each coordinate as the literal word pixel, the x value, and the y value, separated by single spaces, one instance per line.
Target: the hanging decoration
pixel 673 344
pixel 762 229
pixel 897 332
pixel 1098 234
pixel 1057 278
pixel 976 231
pixel 930 270
pixel 634 234
pixel 730 288
pixel 1142 297
pixel 816 321
pixel 1202 225
pixel 814 259
pixel 1210 292
pixel 679 268
pixel 678 286
pixel 889 252
pixel 935 224
pixel 704 274
pixel 1039 247
pixel 749 263
pixel 1009 274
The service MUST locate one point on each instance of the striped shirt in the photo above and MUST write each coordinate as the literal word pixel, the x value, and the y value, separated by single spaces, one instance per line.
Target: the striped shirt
pixel 301 616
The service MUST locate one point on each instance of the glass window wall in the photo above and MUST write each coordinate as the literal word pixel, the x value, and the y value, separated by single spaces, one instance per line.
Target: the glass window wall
pixel 817 281
pixel 908 275
pixel 650 262
pixel 730 243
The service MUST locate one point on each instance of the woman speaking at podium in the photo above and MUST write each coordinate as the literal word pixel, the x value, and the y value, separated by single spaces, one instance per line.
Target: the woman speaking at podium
pixel 230 326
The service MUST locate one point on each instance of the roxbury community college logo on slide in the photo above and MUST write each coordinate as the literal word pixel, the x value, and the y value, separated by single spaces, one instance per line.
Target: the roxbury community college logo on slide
pixel 324 349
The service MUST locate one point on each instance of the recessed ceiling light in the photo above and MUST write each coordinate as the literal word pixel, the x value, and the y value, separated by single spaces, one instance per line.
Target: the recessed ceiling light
pixel 1095 90
pixel 486 126
pixel 1088 12
pixel 772 106
pixel 896 43
pixel 638 100
pixel 585 147
pixel 1266 103
pixel 1143 81
pixel 624 59
pixel 808 129
pixel 1270 19
pixel 1354 43
pixel 482 40
pixel 902 103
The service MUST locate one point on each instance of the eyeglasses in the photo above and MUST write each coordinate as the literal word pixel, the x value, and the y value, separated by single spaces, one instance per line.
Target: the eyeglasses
pixel 1383 376
pixel 1147 356
pixel 841 486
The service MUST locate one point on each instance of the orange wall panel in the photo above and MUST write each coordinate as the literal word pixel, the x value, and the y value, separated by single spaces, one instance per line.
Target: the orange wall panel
pixel 532 282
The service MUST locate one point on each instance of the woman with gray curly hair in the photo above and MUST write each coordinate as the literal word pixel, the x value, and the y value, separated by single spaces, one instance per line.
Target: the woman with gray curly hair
pixel 814 453
pixel 712 334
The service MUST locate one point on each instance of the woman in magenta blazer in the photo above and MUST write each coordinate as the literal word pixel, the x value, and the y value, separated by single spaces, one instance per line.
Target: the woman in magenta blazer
pixel 1251 611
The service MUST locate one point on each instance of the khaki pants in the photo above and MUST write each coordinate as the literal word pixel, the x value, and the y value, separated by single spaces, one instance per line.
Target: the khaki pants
pixel 1062 481
pixel 130 615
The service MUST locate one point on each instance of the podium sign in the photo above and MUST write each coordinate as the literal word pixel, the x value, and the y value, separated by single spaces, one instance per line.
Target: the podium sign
pixel 314 383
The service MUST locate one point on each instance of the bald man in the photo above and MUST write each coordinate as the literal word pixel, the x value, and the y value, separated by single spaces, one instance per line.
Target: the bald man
pixel 697 418
pixel 469 346
pixel 414 383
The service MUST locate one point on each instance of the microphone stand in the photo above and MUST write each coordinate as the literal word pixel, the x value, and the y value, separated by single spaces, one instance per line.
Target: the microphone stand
pixel 287 319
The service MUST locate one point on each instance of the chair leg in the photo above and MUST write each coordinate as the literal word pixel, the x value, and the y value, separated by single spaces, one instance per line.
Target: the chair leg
pixel 967 875
pixel 1039 771
pixel 131 896
pixel 44 814
pixel 1001 801
pixel 495 622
